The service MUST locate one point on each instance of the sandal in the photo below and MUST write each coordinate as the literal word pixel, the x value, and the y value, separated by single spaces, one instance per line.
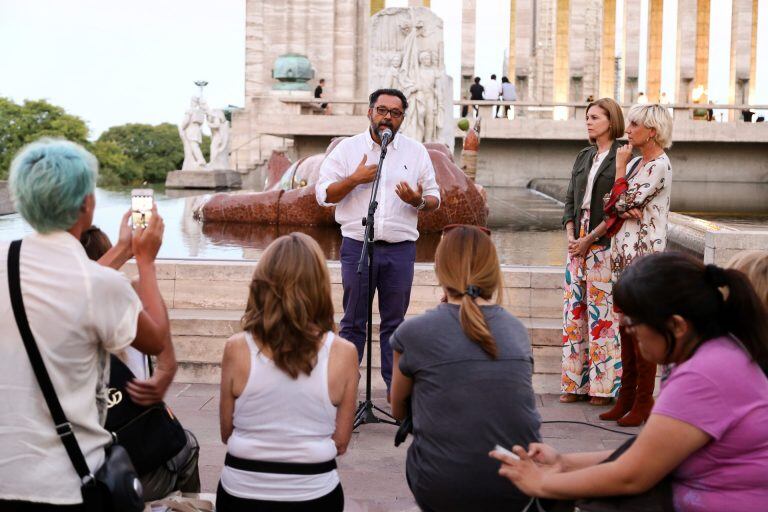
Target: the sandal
pixel 600 401
pixel 569 398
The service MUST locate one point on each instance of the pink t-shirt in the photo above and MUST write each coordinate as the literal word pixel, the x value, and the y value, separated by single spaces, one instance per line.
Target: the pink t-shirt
pixel 722 392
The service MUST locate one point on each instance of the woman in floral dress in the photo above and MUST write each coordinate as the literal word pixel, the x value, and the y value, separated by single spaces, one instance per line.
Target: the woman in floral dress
pixel 637 213
pixel 591 364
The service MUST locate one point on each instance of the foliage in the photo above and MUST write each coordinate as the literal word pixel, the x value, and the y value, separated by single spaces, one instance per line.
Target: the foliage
pixel 25 123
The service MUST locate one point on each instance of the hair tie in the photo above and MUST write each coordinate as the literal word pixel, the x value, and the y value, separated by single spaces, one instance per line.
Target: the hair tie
pixel 715 276
pixel 473 291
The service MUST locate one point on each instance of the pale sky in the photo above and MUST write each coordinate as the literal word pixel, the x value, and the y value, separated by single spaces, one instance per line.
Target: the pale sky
pixel 118 62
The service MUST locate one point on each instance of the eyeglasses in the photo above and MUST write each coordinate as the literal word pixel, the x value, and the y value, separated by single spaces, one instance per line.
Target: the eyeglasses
pixel 383 111
pixel 449 227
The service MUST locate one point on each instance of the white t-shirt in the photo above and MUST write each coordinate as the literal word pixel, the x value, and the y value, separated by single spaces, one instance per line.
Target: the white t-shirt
pixel 77 310
pixel 591 178
pixel 406 160
pixel 492 90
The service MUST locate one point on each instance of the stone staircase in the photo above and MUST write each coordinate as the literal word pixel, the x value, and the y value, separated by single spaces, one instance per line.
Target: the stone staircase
pixel 206 300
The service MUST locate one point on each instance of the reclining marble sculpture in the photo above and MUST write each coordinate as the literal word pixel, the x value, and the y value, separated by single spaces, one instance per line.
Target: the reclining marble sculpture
pixel 289 196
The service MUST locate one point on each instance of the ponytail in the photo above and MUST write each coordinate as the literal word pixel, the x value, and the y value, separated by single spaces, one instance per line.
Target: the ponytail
pixel 473 322
pixel 742 314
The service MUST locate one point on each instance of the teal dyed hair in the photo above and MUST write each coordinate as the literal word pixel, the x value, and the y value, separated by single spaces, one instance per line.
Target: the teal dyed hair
pixel 49 180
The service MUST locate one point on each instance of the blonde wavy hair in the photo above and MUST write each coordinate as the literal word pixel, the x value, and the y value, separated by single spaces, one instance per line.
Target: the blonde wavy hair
pixel 653 116
pixel 467 257
pixel 289 305
pixel 753 264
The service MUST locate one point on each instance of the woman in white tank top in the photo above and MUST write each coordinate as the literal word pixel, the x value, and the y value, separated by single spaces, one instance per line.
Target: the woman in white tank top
pixel 288 388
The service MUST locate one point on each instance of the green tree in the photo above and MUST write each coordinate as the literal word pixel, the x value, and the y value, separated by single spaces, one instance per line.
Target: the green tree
pixel 153 150
pixel 25 123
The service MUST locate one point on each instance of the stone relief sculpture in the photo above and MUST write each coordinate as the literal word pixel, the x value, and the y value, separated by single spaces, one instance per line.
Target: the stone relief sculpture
pixel 191 133
pixel 406 53
pixel 219 126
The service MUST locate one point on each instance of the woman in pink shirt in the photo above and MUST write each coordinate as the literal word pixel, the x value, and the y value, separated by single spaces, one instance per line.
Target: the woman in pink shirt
pixel 708 428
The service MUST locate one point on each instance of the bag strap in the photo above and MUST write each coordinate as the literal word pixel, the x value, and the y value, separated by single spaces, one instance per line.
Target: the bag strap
pixel 63 427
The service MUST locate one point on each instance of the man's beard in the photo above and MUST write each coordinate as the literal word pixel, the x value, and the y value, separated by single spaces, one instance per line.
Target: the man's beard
pixel 377 128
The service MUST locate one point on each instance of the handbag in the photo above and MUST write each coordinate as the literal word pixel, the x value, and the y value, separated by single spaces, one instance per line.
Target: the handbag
pixel 115 487
pixel 150 434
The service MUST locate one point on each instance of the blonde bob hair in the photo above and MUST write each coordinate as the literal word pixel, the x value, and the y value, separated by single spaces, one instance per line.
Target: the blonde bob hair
pixel 653 116
pixel 753 264
pixel 615 117
pixel 289 302
pixel 466 257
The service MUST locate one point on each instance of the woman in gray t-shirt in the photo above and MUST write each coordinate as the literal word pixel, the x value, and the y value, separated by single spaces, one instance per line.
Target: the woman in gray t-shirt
pixel 467 367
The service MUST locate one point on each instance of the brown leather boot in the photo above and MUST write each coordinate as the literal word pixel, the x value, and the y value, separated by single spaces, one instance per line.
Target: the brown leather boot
pixel 628 379
pixel 646 379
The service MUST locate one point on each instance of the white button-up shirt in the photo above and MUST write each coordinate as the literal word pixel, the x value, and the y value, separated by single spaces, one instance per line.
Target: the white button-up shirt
pixel 78 311
pixel 407 160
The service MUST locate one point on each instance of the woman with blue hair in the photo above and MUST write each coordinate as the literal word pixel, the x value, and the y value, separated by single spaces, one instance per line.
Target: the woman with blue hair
pixel 78 310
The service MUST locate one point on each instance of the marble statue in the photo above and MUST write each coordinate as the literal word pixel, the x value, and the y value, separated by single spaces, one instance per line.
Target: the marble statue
pixel 191 133
pixel 406 53
pixel 219 126
pixel 289 196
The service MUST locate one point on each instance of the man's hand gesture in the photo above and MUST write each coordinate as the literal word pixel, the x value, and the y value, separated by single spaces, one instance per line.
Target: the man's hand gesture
pixel 364 173
pixel 408 195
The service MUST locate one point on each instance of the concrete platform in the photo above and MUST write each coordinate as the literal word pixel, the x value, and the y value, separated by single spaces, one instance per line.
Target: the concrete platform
pixel 373 470
pixel 6 205
pixel 208 180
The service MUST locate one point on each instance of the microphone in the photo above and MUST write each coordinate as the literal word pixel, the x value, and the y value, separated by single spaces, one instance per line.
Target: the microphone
pixel 386 137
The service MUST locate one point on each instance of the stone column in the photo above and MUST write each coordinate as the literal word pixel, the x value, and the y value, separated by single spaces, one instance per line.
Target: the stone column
pixel 686 49
pixel 576 49
pixel 608 50
pixel 653 73
pixel 562 45
pixel 753 55
pixel 741 54
pixel 345 70
pixel 701 72
pixel 543 73
pixel 418 3
pixel 468 21
pixel 631 49
pixel 521 47
pixel 512 52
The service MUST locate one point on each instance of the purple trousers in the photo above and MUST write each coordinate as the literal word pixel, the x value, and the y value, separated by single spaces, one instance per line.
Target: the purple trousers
pixel 392 280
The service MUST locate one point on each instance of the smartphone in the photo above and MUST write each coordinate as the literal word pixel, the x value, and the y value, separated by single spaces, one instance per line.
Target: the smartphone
pixel 504 451
pixel 141 206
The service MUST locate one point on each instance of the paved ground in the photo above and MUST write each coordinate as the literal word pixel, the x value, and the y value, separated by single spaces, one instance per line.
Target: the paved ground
pixel 373 470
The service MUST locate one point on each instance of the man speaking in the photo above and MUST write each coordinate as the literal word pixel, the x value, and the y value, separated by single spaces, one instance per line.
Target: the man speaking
pixel 407 185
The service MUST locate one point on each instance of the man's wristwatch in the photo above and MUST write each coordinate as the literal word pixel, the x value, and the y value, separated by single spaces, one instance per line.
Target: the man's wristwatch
pixel 422 204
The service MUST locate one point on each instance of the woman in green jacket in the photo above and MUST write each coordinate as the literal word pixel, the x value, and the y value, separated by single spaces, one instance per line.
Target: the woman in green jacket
pixel 591 347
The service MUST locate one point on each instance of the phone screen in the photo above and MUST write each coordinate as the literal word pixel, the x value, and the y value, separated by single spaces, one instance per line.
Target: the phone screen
pixel 141 206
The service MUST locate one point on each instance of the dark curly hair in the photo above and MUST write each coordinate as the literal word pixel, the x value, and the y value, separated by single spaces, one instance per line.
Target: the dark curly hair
pixel 387 92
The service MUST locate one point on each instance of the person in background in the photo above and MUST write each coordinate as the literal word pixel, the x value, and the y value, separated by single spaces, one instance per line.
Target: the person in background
pixel 508 93
pixel 754 264
pixel 466 367
pixel 319 94
pixel 476 92
pixel 642 99
pixel 78 311
pixel 288 388
pixel 707 430
pixel 591 364
pixel 492 93
pixel 181 473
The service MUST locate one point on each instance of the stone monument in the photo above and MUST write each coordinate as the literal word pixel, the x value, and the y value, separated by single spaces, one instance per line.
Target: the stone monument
pixel 195 172
pixel 406 52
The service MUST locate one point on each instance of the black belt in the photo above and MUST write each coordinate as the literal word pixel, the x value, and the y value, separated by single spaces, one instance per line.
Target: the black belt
pixel 283 468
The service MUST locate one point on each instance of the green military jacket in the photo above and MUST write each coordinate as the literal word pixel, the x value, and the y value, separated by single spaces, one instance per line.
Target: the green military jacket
pixel 577 187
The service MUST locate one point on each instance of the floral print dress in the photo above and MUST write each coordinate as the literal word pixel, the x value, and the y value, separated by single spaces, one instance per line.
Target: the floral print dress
pixel 649 189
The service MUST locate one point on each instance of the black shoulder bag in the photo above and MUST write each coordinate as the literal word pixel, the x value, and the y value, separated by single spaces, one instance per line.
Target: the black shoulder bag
pixel 115 487
pixel 150 434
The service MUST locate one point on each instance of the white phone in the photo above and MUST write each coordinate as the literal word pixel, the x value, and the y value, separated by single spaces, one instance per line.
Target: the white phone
pixel 141 206
pixel 501 449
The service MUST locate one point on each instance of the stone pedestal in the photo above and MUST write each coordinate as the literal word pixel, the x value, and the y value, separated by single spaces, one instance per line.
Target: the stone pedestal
pixel 208 180
pixel 6 205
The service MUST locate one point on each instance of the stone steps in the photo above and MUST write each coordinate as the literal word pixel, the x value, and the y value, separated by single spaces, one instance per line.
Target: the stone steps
pixel 199 336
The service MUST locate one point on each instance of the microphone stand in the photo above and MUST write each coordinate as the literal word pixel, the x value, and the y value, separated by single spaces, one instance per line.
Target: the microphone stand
pixel 365 409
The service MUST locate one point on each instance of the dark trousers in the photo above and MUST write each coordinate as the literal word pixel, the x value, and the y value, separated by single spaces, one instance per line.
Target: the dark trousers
pixel 331 502
pixel 392 280
pixel 28 506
